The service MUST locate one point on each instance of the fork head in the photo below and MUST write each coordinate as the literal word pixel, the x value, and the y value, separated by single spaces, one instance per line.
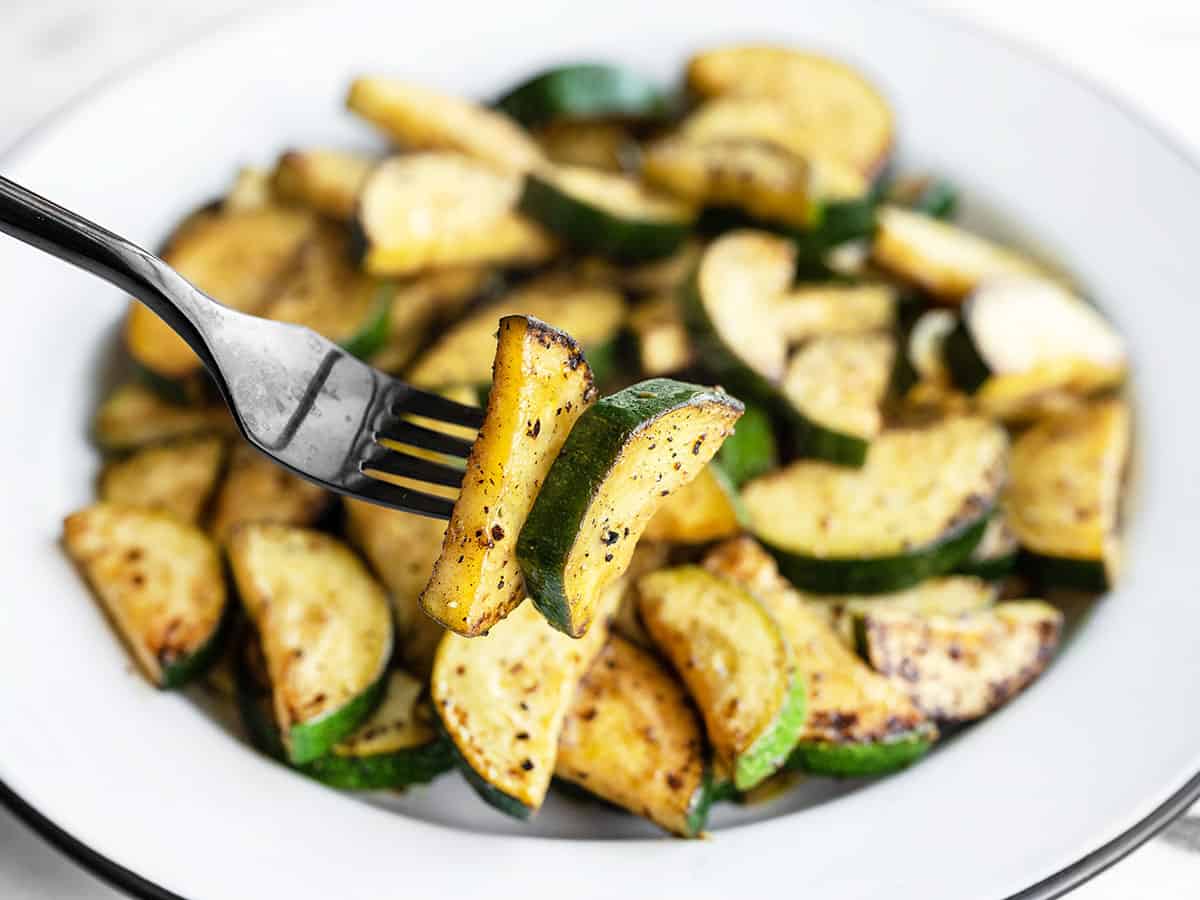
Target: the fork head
pixel 322 413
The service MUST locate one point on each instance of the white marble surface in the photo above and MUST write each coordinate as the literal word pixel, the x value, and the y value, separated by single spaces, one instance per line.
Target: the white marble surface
pixel 1147 52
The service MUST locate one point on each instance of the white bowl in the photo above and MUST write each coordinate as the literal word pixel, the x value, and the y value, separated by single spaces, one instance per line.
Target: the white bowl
pixel 1070 776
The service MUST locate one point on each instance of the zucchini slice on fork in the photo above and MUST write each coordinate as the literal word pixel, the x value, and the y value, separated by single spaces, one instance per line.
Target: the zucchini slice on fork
pixel 541 387
pixel 326 631
pixel 736 662
pixel 160 580
pixel 623 458
pixel 632 737
pixel 916 508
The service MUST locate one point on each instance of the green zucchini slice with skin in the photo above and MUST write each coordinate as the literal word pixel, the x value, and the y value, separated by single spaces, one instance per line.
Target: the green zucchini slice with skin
pixel 963 667
pixel 541 388
pixel 584 91
pixel 832 308
pixel 326 181
pixel 995 556
pixel 422 119
pixel 399 745
pixel 604 145
pixel 623 458
pixel 947 261
pixel 134 416
pixel 751 450
pixel 831 108
pixel 1063 499
pixel 835 387
pixel 727 303
pixel 326 631
pixel 426 211
pixel 705 509
pixel 947 595
pixel 858 722
pixel 401 549
pixel 161 583
pixel 632 737
pixel 916 508
pixel 257 490
pixel 590 314
pixel 1035 329
pixel 502 701
pixel 176 478
pixel 609 214
pixel 736 662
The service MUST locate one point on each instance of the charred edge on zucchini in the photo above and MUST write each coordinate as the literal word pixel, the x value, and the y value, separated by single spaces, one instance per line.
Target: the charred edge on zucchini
pixel 622 459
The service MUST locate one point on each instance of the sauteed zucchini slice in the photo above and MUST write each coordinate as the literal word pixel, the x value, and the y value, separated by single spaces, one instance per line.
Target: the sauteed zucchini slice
pixel 418 118
pixel 835 110
pixel 995 556
pixel 541 386
pixel 705 509
pixel 502 701
pixel 947 595
pixel 958 668
pixel 605 213
pixel 736 663
pixel 604 145
pixel 632 737
pixel 623 458
pixel 160 581
pixel 591 314
pixel 1028 336
pixel 434 210
pixel 401 548
pixel 763 179
pixel 858 722
pixel 326 181
pixel 821 310
pixel 251 190
pixel 916 508
pixel 584 91
pixel 1063 501
pixel 257 490
pixel 326 631
pixel 924 194
pixel 940 258
pixel 835 387
pixel 236 258
pixel 134 416
pixel 176 478
pixel 727 303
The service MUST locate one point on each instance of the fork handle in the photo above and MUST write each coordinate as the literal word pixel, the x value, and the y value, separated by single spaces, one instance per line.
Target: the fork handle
pixel 40 223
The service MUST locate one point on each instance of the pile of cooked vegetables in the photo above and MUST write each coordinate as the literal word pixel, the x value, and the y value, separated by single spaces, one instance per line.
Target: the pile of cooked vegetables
pixel 776 457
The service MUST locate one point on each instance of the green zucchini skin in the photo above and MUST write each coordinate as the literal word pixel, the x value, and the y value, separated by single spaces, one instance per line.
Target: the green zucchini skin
pixel 195 664
pixel 595 230
pixel 308 741
pixel 1056 571
pixel 578 474
pixel 881 574
pixel 967 368
pixel 860 760
pixel 815 441
pixel 373 335
pixel 997 568
pixel 584 91
pixel 701 804
pixel 770 751
pixel 751 450
pixel 489 793
pixel 935 197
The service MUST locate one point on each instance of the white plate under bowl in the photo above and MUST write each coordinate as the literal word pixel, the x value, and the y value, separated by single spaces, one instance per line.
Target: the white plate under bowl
pixel 137 780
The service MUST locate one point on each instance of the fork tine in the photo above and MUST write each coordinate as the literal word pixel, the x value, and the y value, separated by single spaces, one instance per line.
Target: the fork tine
pixel 415 435
pixel 433 406
pixel 402 498
pixel 393 462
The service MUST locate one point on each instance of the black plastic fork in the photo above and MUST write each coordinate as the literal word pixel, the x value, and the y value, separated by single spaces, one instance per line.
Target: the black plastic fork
pixel 299 398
